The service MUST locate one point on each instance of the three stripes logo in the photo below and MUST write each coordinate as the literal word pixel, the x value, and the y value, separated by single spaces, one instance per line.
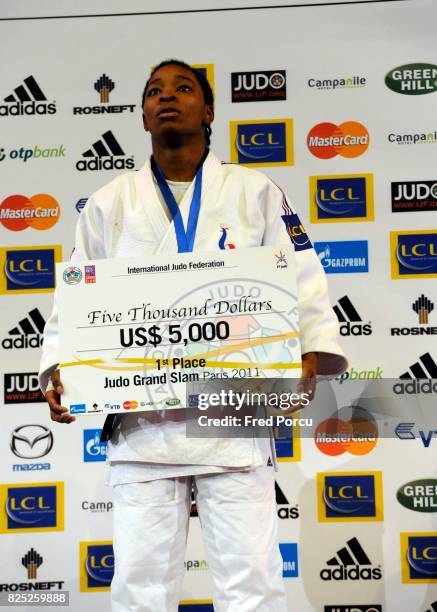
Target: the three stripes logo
pixel 349 319
pixel 425 367
pixel 28 332
pixel 284 508
pixel 105 154
pixel 351 563
pixel 27 99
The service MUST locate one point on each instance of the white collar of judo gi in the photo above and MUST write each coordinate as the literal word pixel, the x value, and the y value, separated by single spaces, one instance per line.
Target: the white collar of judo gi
pixel 149 200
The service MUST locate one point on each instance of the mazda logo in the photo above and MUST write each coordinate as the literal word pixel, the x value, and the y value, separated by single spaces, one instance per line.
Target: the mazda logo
pixel 31 441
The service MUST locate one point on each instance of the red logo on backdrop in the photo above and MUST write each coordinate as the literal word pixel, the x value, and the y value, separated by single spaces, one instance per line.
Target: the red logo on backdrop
pixel 349 139
pixel 41 211
pixel 130 405
pixel 358 436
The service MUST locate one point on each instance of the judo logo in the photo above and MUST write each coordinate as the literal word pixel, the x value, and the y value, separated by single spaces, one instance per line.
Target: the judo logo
pixel 72 275
pixel 223 244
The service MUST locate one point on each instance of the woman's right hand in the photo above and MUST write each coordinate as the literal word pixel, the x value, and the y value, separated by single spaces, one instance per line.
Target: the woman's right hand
pixel 57 412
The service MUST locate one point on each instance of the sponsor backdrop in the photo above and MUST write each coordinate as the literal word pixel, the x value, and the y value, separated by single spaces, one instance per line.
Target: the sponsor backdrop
pixel 337 105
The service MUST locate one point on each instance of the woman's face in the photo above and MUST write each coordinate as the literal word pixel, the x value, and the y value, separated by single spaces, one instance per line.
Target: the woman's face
pixel 174 105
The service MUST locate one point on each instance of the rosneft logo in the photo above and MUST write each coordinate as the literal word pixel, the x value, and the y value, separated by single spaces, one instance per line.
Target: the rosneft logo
pixel 349 139
pixel 40 212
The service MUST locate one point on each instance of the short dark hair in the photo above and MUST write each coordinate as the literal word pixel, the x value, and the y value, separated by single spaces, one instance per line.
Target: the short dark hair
pixel 200 78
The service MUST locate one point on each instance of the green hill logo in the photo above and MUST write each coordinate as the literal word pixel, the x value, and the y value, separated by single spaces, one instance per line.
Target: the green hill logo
pixel 413 79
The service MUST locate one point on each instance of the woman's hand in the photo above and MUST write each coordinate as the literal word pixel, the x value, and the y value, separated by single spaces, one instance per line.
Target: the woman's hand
pixel 57 412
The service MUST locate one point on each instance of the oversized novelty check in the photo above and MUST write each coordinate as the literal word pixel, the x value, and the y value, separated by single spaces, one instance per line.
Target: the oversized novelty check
pixel 133 332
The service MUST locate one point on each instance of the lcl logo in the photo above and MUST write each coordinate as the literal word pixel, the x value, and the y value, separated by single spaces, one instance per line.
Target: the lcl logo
pixel 31 441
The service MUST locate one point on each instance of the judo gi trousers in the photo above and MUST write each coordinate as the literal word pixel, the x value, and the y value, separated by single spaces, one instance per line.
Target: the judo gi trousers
pixel 238 515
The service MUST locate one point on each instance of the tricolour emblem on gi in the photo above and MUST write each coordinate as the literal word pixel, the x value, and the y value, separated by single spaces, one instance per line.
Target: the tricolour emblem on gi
pixel 419 557
pixel 30 507
pixel 413 254
pixel 349 496
pixel 262 142
pixel 228 315
pixel 340 198
pixel 96 566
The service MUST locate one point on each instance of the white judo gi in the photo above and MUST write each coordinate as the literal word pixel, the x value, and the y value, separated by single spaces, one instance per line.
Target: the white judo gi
pixel 151 459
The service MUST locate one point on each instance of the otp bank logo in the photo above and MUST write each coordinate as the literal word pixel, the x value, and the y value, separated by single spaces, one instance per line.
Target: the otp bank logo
pixel 96 566
pixel 262 142
pixel 40 212
pixel 349 139
pixel 349 496
pixel 287 443
pixel 413 254
pixel 419 557
pixel 28 269
pixel 340 198
pixel 357 435
pixel 32 507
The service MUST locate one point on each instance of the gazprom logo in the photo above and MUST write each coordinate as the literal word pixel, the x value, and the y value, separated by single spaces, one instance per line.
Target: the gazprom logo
pixel 290 560
pixel 93 449
pixel 343 256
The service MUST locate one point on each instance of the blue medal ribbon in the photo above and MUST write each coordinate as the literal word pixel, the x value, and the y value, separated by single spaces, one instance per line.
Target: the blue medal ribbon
pixel 185 239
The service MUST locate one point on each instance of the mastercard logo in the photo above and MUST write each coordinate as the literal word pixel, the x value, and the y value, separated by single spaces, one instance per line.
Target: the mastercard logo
pixel 349 139
pixel 335 436
pixel 39 212
pixel 130 405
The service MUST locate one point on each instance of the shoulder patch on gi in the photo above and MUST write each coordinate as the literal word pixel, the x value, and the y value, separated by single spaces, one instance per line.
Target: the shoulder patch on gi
pixel 297 232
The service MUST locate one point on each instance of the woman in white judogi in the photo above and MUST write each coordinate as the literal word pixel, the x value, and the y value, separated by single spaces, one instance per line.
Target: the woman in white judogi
pixel 153 465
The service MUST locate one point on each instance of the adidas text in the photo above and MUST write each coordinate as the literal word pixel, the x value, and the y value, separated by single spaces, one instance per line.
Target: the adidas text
pixel 28 108
pixel 351 573
pixel 111 163
pixel 356 329
pixel 20 342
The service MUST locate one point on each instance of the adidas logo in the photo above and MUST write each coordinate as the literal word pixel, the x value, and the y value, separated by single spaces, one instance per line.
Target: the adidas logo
pixel 28 333
pixel 426 367
pixel 433 607
pixel 285 510
pixel 105 154
pixel 346 315
pixel 27 99
pixel 351 563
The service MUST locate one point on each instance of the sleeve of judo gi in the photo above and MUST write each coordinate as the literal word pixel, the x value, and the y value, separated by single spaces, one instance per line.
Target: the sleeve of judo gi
pixel 88 245
pixel 319 326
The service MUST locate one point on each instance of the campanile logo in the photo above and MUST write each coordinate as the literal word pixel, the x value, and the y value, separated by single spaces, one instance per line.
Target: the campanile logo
pixel 349 139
